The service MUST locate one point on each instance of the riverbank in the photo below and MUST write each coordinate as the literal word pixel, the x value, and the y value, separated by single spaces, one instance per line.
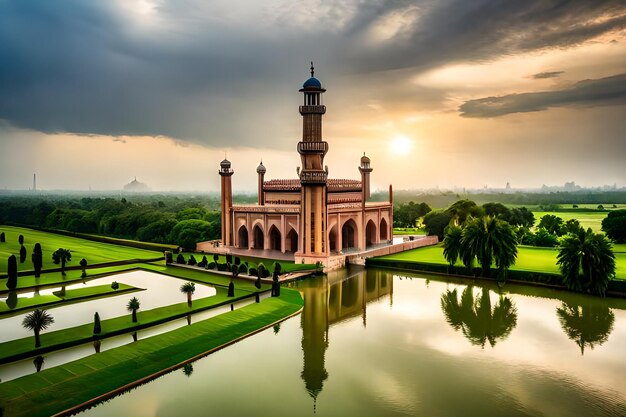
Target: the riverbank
pixel 98 377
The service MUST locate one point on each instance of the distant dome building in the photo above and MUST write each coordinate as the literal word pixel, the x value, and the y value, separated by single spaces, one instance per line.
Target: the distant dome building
pixel 136 187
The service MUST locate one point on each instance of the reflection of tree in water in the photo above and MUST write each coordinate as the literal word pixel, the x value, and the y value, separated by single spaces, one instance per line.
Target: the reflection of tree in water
pixel 587 325
pixel 478 321
pixel 187 369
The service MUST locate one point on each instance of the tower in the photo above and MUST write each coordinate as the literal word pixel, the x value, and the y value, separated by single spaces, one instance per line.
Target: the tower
pixel 34 182
pixel 313 175
pixel 227 201
pixel 365 170
pixel 260 170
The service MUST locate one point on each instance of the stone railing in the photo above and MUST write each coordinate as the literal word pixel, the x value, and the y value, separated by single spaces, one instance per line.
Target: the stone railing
pixel 313 109
pixel 310 147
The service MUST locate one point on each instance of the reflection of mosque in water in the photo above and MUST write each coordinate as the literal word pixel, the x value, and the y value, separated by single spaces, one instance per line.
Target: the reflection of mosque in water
pixel 339 296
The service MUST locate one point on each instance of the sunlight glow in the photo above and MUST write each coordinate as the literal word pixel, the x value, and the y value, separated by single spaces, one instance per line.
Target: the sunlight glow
pixel 401 144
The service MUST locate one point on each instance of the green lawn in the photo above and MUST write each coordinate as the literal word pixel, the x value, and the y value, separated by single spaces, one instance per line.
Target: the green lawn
pixel 528 259
pixel 408 231
pixel 59 388
pixel 586 219
pixel 93 252
pixel 73 295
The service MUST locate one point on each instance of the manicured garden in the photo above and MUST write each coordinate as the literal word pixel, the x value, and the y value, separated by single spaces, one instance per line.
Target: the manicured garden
pixel 592 219
pixel 253 262
pixel 93 252
pixel 57 389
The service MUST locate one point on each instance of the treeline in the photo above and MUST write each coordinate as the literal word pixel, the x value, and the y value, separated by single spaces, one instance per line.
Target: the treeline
pixel 446 198
pixel 174 220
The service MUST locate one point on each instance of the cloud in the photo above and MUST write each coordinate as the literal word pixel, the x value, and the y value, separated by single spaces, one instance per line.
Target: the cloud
pixel 603 91
pixel 217 73
pixel 547 74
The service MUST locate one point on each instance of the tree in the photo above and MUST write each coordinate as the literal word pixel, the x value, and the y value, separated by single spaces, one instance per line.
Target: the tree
pixel 498 210
pixel 192 260
pixel 12 272
pixel 544 239
pixel 37 321
pixel 614 225
pixel 216 258
pixel 37 258
pixel 188 288
pixel 552 224
pixel 61 256
pixel 452 244
pixel 462 209
pixel 23 254
pixel 2 237
pixel 180 259
pixel 83 264
pixel 572 226
pixel 97 327
pixel 489 239
pixel 132 306
pixel 435 223
pixel 521 216
pixel 478 321
pixel 203 263
pixel 168 257
pixel 586 261
pixel 20 239
pixel 588 325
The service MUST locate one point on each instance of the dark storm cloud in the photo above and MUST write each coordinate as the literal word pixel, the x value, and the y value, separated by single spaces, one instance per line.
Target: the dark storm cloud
pixel 214 73
pixel 604 91
pixel 547 74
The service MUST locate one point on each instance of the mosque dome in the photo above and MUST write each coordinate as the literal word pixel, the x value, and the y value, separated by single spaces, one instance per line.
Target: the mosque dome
pixel 225 164
pixel 365 159
pixel 312 83
pixel 261 168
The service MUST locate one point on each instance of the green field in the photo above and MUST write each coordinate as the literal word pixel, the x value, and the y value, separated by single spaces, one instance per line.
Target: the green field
pixel 408 231
pixel 528 258
pixel 93 252
pixel 587 219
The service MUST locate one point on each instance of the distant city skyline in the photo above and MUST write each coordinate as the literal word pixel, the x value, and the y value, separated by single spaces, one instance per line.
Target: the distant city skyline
pixel 445 94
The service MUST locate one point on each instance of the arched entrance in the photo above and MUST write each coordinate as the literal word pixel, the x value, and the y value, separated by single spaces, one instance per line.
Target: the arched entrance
pixel 332 239
pixel 257 234
pixel 242 238
pixel 291 241
pixel 370 234
pixel 383 231
pixel 274 236
pixel 348 235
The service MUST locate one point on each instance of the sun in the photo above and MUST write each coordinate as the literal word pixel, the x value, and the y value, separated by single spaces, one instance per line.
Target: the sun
pixel 401 144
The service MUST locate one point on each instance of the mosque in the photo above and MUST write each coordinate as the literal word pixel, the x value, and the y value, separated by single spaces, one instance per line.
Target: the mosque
pixel 313 218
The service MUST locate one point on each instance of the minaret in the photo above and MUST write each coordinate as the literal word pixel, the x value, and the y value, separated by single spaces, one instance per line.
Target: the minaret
pixel 227 201
pixel 313 175
pixel 260 170
pixel 365 170
pixel 34 182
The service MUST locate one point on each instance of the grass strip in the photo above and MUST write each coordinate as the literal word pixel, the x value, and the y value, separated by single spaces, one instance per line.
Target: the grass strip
pixel 61 339
pixel 253 261
pixel 57 389
pixel 51 279
pixel 71 296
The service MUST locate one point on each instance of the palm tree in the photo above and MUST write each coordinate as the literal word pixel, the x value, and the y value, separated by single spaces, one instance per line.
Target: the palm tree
pixel 488 239
pixel 132 306
pixel 62 256
pixel 478 321
pixel 586 261
pixel 452 244
pixel 37 321
pixel 588 325
pixel 188 288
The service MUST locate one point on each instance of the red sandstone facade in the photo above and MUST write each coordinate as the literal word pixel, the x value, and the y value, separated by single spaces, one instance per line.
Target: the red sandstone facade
pixel 313 217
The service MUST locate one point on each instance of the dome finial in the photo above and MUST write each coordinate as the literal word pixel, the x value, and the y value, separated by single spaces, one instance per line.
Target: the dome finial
pixel 312 69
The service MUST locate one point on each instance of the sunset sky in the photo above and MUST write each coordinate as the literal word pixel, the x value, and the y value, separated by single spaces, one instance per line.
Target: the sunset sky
pixel 438 93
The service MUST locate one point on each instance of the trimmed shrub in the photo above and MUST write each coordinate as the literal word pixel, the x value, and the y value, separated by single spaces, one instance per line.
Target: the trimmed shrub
pixel 3 238
pixel 231 290
pixel 21 240
pixel 12 272
pixel 115 285
pixel 37 258
pixel 261 270
pixel 211 265
pixel 216 258
pixel 203 262
pixel 97 327
pixel 229 259
pixel 277 268
pixel 222 267
pixel 180 259
pixel 257 283
pixel 168 257
pixel 253 272
pixel 243 269
pixel 192 261
pixel 237 261
pixel 22 254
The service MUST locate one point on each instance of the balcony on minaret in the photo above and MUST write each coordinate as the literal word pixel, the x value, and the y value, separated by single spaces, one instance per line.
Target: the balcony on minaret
pixel 313 177
pixel 313 147
pixel 312 109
